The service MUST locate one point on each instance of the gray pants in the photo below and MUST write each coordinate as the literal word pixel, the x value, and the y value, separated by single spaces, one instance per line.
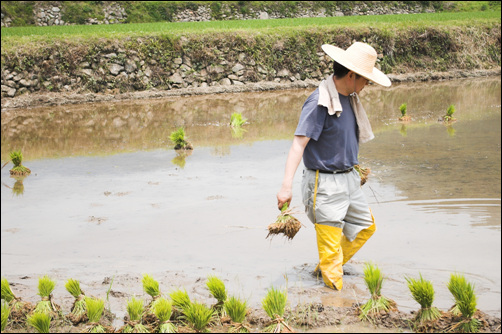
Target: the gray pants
pixel 340 201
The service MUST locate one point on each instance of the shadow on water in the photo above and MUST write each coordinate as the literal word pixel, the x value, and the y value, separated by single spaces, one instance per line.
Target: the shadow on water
pixel 109 195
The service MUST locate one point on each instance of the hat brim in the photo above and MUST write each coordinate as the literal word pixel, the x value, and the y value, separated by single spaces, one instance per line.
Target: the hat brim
pixel 340 56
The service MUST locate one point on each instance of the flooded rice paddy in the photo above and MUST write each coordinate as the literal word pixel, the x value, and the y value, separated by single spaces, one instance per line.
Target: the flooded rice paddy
pixel 109 197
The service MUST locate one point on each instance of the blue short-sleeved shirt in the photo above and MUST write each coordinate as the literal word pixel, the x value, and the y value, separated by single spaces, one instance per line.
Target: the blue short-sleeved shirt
pixel 333 143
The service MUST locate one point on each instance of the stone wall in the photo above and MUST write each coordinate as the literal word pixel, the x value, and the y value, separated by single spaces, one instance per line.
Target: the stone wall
pixel 50 13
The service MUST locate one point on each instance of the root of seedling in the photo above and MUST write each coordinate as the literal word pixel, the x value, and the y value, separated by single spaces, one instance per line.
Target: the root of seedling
pixel 364 172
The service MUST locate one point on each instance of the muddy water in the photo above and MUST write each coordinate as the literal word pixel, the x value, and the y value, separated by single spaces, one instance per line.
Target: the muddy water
pixel 109 197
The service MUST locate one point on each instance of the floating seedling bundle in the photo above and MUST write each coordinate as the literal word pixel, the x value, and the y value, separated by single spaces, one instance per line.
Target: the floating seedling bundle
pixel 18 308
pixel 78 310
pixel 285 224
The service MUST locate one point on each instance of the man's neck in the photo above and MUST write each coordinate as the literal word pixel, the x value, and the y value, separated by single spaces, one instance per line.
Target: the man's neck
pixel 342 87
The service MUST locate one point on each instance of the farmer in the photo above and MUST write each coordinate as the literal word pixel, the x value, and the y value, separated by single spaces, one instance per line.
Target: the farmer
pixel 331 126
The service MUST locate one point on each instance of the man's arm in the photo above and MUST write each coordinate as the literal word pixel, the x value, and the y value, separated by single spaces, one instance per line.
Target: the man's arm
pixel 294 157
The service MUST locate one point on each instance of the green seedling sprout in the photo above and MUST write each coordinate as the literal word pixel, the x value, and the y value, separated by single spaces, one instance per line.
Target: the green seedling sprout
pixel 5 315
pixel 95 308
pixel 78 310
pixel 178 138
pixel 217 289
pixel 274 305
pixel 45 288
pixel 449 114
pixel 377 303
pixel 17 159
pixel 465 303
pixel 423 293
pixel 236 120
pixel 162 308
pixel 40 321
pixel 236 310
pixel 18 308
pixel 135 310
pixel 181 300
pixel 198 316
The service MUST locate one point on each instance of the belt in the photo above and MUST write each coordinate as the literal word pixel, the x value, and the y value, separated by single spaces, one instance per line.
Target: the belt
pixel 335 171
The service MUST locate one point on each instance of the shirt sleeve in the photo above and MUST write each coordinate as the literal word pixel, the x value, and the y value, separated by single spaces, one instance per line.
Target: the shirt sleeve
pixel 312 118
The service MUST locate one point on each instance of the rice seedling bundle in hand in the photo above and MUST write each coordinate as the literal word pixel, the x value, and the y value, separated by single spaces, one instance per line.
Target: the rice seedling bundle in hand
pixel 95 308
pixel 18 170
pixel 179 140
pixel 45 288
pixel 364 173
pixel 198 316
pixel 377 303
pixel 465 301
pixel 5 315
pixel 78 310
pixel 285 224
pixel 236 310
pixel 218 291
pixel 18 308
pixel 40 321
pixel 162 308
pixel 423 293
pixel 274 305
pixel 135 310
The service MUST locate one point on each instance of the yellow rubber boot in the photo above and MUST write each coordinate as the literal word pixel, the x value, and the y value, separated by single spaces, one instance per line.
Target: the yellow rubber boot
pixel 350 248
pixel 330 255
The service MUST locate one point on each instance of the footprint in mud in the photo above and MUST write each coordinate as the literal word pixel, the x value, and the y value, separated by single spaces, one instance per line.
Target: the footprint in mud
pixel 97 220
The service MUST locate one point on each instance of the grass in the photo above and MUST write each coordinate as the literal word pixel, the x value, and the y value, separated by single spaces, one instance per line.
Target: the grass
pixel 423 293
pixel 18 36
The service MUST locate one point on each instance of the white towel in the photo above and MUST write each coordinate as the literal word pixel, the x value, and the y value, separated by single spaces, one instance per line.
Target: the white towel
pixel 328 97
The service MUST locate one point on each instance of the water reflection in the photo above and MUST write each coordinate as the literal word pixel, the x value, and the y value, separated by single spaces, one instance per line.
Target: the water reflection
pixel 18 187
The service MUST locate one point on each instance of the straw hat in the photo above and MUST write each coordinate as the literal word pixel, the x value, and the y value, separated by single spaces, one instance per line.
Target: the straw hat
pixel 359 58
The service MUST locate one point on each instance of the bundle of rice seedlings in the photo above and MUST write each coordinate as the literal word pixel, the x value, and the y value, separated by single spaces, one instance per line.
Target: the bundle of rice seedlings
pixel 179 141
pixel 449 114
pixel 162 308
pixel 423 293
pixel 181 300
pixel 456 284
pixel 377 303
pixel 18 308
pixel 19 170
pixel 364 173
pixel 5 315
pixel 284 224
pixel 274 305
pixel 403 109
pixel 465 301
pixel 45 288
pixel 95 308
pixel 236 310
pixel 135 310
pixel 218 290
pixel 78 310
pixel 151 287
pixel 236 120
pixel 40 321
pixel 198 316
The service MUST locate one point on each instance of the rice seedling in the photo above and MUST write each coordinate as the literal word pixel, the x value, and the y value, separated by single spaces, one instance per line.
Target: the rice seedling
pixel 449 114
pixel 162 308
pixel 40 321
pixel 151 287
pixel 78 310
pixel 423 293
pixel 236 120
pixel 403 108
pixel 18 308
pixel 179 140
pixel 95 308
pixel 218 291
pixel 377 303
pixel 45 288
pixel 364 173
pixel 274 305
pixel 19 170
pixel 285 224
pixel 135 310
pixel 5 315
pixel 181 300
pixel 236 310
pixel 198 316
pixel 465 302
